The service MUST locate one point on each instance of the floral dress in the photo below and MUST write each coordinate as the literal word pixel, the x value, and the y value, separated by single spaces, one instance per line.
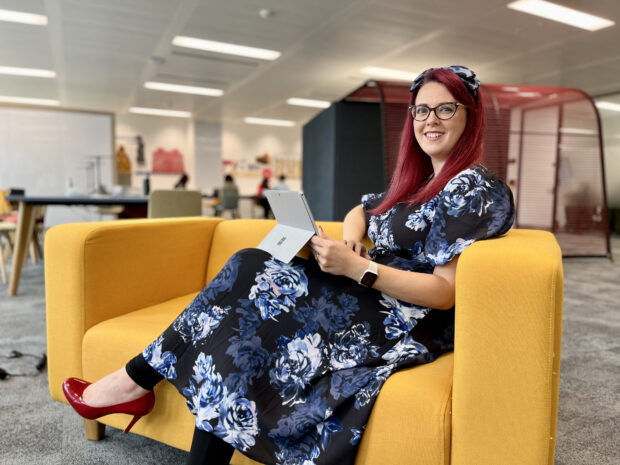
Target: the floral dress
pixel 284 361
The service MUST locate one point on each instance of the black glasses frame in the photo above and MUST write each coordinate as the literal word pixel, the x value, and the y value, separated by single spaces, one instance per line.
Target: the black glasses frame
pixel 412 109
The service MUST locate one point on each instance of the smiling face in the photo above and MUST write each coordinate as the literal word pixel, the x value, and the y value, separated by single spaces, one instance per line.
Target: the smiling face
pixel 438 137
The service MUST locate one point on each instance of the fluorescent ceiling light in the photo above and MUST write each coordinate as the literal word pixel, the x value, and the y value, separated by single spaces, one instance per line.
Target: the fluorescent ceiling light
pixel 28 101
pixel 159 112
pixel 225 48
pixel 183 89
pixel 608 106
pixel 44 73
pixel 388 73
pixel 510 89
pixel 20 17
pixel 561 14
pixel 269 122
pixel 304 102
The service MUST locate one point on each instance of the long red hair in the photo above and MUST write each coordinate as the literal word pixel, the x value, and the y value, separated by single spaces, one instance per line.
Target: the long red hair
pixel 413 167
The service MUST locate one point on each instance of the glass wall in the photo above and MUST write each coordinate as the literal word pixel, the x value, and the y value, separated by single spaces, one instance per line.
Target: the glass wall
pixel 609 110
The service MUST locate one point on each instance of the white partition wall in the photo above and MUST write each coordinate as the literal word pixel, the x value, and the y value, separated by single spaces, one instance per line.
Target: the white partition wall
pixel 41 149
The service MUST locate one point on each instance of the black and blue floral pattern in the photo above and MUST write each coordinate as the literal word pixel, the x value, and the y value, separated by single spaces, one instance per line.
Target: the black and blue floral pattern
pixel 285 362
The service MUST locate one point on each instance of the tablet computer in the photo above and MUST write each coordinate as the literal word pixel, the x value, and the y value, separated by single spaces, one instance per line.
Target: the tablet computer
pixel 295 224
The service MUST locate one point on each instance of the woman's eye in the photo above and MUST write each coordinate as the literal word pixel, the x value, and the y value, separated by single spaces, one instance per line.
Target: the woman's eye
pixel 421 111
pixel 445 109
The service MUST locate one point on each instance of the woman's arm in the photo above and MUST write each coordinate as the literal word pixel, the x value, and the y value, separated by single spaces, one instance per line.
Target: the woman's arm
pixel 427 290
pixel 354 226
pixel 354 230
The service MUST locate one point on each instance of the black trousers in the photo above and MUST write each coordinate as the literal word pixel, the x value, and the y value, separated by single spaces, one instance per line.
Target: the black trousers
pixel 206 448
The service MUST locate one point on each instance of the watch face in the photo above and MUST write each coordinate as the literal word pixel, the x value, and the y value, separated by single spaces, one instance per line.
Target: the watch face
pixel 368 279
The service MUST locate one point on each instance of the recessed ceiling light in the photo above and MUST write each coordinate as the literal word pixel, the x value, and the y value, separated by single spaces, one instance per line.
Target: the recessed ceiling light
pixel 269 122
pixel 561 14
pixel 159 112
pixel 225 48
pixel 388 73
pixel 21 17
pixel 608 106
pixel 28 101
pixel 183 89
pixel 44 73
pixel 304 102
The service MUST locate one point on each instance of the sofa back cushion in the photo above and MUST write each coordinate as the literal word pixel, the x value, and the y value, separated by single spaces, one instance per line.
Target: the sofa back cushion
pixel 234 235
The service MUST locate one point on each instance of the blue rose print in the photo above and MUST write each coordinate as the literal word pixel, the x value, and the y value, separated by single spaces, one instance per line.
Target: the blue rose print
pixel 402 317
pixel 250 321
pixel 197 323
pixel 446 252
pixel 351 348
pixel 407 349
pixel 356 435
pixel 277 288
pixel 422 217
pixel 380 229
pixel 225 279
pixel 162 363
pixel 501 208
pixel 238 422
pixel 298 361
pixel 248 355
pixel 466 193
pixel 369 392
pixel 345 383
pixel 205 392
pixel 303 434
pixel 329 313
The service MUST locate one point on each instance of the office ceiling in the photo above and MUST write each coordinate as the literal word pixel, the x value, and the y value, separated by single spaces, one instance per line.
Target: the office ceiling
pixel 104 50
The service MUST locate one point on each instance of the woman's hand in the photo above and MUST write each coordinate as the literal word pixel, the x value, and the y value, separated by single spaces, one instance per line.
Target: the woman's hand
pixel 358 248
pixel 338 257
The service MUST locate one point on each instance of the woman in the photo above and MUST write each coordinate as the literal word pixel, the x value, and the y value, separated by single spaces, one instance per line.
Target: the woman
pixel 284 362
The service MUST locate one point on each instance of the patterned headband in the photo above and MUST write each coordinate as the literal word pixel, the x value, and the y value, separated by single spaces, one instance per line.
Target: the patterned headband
pixel 467 76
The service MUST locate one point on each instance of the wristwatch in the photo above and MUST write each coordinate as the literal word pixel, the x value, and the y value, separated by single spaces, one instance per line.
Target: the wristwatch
pixel 370 275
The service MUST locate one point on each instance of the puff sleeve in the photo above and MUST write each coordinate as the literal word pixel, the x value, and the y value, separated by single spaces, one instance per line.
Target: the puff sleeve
pixel 474 205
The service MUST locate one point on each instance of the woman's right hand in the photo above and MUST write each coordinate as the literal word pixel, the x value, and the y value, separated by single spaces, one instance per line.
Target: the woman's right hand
pixel 357 247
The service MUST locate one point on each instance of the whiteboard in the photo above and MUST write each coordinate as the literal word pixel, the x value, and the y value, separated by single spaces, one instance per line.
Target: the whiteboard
pixel 41 149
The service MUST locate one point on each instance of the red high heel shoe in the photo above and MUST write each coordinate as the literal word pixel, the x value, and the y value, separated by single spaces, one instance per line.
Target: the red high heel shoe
pixel 73 388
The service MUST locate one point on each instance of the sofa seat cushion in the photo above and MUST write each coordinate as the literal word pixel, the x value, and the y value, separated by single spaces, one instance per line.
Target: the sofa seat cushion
pixel 112 343
pixel 421 393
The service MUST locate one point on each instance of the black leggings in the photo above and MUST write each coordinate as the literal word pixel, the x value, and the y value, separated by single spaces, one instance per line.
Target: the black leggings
pixel 206 449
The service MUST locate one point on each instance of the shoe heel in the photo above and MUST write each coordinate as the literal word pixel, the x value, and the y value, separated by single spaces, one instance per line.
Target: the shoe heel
pixel 131 423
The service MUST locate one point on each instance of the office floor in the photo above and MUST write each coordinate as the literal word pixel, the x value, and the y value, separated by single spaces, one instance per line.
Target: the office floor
pixel 35 430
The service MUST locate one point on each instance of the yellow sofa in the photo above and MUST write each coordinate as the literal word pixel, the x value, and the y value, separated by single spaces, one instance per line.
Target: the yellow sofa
pixel 112 287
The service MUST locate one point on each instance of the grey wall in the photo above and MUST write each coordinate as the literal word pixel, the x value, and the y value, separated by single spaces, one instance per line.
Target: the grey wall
pixel 342 158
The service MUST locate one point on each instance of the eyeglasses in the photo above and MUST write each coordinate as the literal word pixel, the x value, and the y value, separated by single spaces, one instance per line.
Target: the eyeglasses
pixel 442 111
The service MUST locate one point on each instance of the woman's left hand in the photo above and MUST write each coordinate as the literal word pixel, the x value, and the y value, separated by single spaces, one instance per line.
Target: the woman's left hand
pixel 333 256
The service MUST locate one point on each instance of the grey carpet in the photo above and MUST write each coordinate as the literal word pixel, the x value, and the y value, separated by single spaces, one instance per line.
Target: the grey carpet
pixel 36 430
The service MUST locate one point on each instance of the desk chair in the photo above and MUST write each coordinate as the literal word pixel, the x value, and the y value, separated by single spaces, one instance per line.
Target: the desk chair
pixel 6 230
pixel 174 203
pixel 229 201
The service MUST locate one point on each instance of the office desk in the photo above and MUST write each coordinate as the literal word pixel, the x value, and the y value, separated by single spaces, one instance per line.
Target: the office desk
pixel 26 219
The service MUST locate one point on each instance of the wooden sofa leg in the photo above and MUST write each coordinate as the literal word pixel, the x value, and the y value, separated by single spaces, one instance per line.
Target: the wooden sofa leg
pixel 94 430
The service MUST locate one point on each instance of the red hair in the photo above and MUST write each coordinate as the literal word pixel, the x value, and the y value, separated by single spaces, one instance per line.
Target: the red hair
pixel 414 167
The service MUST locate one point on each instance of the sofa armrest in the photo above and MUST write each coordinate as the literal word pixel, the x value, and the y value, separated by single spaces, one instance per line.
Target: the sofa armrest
pixel 97 271
pixel 507 350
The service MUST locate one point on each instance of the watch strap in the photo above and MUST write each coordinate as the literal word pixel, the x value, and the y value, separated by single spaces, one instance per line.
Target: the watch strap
pixel 370 275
